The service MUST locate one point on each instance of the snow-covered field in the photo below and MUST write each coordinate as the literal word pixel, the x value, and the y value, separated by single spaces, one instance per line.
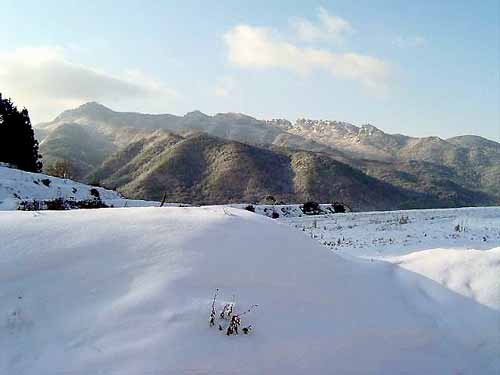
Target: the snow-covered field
pixel 129 291
pixel 385 234
pixel 457 248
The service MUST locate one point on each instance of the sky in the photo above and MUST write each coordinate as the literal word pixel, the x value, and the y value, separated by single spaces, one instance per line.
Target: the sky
pixel 419 68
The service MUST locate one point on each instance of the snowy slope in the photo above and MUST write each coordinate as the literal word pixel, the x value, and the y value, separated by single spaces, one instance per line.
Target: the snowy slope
pixel 472 273
pixel 128 291
pixel 17 185
pixel 457 248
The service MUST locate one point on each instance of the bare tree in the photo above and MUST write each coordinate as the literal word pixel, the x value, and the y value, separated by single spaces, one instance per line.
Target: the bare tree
pixel 61 169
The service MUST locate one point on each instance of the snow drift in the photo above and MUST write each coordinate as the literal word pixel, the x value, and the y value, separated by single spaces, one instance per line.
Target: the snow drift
pixel 129 291
pixel 471 273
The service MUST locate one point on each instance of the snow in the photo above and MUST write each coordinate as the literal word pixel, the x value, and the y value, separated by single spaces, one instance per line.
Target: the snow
pixel 380 235
pixel 17 186
pixel 129 291
pixel 457 248
pixel 471 273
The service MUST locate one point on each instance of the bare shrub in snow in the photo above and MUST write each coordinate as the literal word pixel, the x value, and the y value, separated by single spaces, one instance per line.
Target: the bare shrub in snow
pixel 404 220
pixel 33 205
pixel 232 329
pixel 227 315
pixel 213 314
pixel 250 208
pixel 227 310
pixel 46 182
pixel 95 193
pixel 311 208
pixel 339 207
pixel 59 204
pixel 90 204
pixel 461 226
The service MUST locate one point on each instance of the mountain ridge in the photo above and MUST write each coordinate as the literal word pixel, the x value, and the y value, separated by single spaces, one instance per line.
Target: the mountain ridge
pixel 463 168
pixel 92 109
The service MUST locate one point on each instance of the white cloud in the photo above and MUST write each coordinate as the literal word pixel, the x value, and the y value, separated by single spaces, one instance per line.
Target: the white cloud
pixel 261 48
pixel 329 27
pixel 43 80
pixel 410 42
pixel 225 86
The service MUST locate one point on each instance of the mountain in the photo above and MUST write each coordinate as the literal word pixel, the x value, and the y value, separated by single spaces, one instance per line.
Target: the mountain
pixel 369 142
pixel 206 170
pixel 233 126
pixel 473 160
pixel 141 154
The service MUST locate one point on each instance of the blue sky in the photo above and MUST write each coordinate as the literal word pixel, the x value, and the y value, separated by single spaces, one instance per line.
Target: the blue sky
pixel 418 68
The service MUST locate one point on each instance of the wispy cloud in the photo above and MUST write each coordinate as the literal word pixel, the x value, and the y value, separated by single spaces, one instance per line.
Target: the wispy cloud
pixel 262 48
pixel 328 27
pixel 46 82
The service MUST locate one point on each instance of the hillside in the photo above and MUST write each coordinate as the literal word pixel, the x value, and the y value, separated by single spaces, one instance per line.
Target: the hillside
pixel 461 171
pixel 437 180
pixel 202 169
pixel 82 146
pixel 134 297
pixel 18 186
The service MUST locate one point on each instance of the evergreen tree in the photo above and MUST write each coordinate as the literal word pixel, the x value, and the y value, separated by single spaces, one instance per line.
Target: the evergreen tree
pixel 18 145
